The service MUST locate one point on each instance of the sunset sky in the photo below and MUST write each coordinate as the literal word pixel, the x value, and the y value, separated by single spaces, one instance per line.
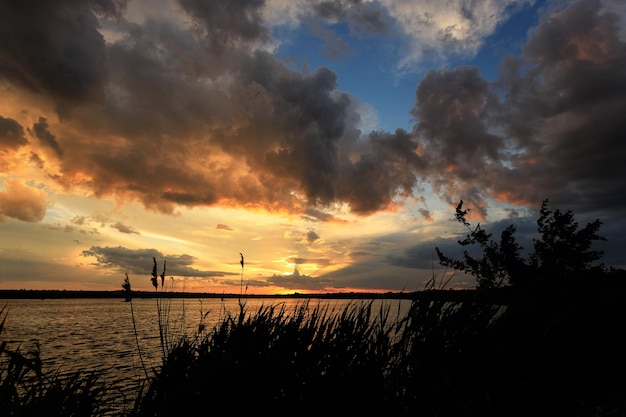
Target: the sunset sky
pixel 327 141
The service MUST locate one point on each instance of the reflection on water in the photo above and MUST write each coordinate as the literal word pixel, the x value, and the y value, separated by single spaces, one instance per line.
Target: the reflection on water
pixel 98 334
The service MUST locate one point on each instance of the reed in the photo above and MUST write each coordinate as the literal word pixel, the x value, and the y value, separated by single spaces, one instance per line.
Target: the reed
pixel 280 359
pixel 129 299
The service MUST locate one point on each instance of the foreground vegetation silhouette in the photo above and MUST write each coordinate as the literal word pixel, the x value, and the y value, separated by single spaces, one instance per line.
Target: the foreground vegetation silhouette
pixel 540 336
pixel 552 347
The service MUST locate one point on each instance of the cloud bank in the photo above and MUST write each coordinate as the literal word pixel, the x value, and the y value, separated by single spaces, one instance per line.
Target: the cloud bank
pixel 124 260
pixel 198 111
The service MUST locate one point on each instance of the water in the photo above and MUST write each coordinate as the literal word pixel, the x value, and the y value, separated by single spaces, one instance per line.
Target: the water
pixel 98 334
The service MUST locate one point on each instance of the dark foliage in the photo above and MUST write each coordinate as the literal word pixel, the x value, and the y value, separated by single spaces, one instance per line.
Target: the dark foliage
pixel 561 250
pixel 278 362
pixel 547 352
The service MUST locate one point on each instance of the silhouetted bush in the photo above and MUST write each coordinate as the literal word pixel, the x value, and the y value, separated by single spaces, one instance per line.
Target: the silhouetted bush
pixel 562 250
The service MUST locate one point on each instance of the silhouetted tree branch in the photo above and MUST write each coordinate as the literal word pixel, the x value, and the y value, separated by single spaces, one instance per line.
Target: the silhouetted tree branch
pixel 562 249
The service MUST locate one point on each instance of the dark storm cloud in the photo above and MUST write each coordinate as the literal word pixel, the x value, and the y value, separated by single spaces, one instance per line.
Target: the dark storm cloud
pixel 227 23
pixel 383 172
pixel 204 116
pixel 551 126
pixel 199 117
pixel 40 130
pixel 139 261
pixel 451 109
pixel 312 115
pixel 564 106
pixel 11 134
pixel 54 48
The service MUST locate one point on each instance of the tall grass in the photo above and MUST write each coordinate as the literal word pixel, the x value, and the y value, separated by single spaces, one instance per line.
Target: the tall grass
pixel 316 360
pixel 278 359
pixel 527 354
pixel 129 299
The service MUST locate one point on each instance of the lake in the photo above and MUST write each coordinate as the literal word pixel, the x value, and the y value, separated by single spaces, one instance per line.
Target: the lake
pixel 97 334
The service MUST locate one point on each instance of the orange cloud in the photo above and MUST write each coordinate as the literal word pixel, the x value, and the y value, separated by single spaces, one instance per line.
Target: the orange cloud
pixel 21 201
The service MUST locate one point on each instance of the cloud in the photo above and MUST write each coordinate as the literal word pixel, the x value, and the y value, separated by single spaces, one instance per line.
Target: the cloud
pixel 228 24
pixel 549 127
pixel 139 261
pixel 362 16
pixel 36 160
pixel 322 262
pixel 23 202
pixel 315 215
pixel 40 130
pixel 184 122
pixel 451 107
pixel 438 30
pixel 422 30
pixel 56 48
pixel 11 134
pixel 422 255
pixel 121 227
pixel 223 227
pixel 312 237
pixel 333 46
pixel 12 140
pixel 250 135
pixel 386 169
pixel 308 238
pixel 426 215
pixel 573 90
pixel 89 224
pixel 60 228
pixel 197 112
pixel 298 281
pixel 80 220
pixel 372 274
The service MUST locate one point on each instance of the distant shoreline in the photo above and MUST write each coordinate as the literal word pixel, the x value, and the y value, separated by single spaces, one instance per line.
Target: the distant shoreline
pixel 452 295
pixel 33 294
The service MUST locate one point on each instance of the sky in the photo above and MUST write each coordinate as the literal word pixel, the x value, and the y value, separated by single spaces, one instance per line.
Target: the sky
pixel 328 142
